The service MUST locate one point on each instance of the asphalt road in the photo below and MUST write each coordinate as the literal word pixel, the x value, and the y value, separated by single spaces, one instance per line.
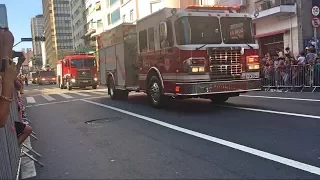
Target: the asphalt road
pixel 256 136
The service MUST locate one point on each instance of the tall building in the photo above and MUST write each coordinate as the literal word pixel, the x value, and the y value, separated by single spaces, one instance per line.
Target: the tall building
pixel 57 28
pixel 280 23
pixel 28 54
pixel 37 29
pixel 78 22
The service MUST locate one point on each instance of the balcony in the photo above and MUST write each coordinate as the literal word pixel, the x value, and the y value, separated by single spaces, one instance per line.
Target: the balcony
pixel 277 8
pixel 90 28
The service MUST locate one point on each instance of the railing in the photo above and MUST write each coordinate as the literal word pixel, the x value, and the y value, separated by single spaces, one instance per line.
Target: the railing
pixel 291 77
pixel 262 5
pixel 9 148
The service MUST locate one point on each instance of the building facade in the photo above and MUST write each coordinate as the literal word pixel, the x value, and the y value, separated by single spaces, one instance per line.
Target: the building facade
pixel 280 23
pixel 37 30
pixel 58 31
pixel 78 22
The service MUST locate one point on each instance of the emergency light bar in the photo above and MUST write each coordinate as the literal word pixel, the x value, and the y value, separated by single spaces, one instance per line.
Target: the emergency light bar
pixel 212 8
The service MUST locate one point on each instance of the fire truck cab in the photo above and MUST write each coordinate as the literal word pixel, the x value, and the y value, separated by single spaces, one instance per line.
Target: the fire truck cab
pixel 197 52
pixel 77 70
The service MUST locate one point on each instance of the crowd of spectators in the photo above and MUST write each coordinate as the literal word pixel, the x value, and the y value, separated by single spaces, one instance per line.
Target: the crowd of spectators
pixel 285 70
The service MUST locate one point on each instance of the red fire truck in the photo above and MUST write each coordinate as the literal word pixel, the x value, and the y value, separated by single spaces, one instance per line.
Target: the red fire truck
pixel 197 52
pixel 77 70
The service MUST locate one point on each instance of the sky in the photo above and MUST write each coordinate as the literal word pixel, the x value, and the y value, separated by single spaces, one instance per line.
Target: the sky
pixel 20 13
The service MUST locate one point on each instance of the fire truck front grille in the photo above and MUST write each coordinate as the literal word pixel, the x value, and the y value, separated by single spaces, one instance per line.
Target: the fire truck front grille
pixel 84 75
pixel 225 64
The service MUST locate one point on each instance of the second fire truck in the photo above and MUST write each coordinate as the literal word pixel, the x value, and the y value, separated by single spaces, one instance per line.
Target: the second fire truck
pixel 197 52
pixel 77 70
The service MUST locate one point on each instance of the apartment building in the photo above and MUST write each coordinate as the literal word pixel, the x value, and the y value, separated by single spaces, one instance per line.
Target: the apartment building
pixel 37 30
pixel 78 21
pixel 57 28
pixel 280 23
pixel 94 14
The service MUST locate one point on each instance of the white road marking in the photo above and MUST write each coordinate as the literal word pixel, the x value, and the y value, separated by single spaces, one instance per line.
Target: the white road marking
pixel 99 93
pixel 262 154
pixel 48 98
pixel 282 98
pixel 82 94
pixel 273 112
pixel 60 102
pixel 30 100
pixel 26 90
pixel 36 89
pixel 65 96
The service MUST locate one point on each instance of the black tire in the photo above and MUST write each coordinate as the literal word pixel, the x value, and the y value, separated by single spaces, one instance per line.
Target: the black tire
pixel 68 86
pixel 155 93
pixel 94 87
pixel 219 99
pixel 116 94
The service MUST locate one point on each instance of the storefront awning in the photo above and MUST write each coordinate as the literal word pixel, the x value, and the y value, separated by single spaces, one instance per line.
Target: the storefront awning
pixel 270 33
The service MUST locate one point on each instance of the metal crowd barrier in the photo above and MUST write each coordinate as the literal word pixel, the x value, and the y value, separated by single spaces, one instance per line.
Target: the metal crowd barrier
pixel 291 77
pixel 9 149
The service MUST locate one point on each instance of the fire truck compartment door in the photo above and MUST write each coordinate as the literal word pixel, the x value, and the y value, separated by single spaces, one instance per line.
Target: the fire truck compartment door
pixel 102 65
pixel 120 64
pixel 131 66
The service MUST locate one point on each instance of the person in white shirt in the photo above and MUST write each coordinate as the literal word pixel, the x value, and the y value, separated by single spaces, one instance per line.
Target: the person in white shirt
pixel 302 58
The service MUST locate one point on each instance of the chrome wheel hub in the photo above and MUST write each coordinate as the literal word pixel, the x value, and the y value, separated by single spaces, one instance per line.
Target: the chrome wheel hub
pixel 155 92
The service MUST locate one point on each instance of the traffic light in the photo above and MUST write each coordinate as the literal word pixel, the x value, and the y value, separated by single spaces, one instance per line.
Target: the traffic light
pixel 40 38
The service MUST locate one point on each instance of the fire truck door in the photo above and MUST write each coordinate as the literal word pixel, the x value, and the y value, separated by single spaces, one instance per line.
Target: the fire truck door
pixel 132 68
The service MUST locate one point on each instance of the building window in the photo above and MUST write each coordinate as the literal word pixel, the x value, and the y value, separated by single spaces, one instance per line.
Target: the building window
pixel 151 39
pixel 98 6
pixel 109 19
pixel 115 16
pixel 99 23
pixel 124 18
pixel 143 46
pixel 131 15
pixel 112 2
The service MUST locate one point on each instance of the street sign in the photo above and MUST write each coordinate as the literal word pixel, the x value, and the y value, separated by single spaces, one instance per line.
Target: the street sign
pixel 315 22
pixel 26 39
pixel 315 10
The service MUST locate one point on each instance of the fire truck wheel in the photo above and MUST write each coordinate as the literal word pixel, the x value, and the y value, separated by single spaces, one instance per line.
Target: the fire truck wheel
pixel 155 95
pixel 68 86
pixel 94 87
pixel 219 99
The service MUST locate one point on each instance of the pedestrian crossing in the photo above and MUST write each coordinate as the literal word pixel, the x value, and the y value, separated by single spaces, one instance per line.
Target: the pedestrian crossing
pixel 47 98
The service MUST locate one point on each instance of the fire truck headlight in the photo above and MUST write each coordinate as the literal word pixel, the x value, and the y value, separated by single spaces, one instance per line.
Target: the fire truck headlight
pixel 73 80
pixel 253 67
pixel 201 69
pixel 53 78
pixel 195 69
pixel 43 79
pixel 95 79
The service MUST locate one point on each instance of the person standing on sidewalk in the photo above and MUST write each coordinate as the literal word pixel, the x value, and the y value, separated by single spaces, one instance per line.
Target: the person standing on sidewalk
pixel 26 80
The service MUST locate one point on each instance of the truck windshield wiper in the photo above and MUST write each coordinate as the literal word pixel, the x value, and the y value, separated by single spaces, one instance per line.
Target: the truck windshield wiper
pixel 201 47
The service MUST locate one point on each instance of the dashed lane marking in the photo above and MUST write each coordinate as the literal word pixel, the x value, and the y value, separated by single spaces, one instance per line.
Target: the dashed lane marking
pixel 256 152
pixel 65 96
pixel 30 100
pixel 281 98
pixel 82 94
pixel 99 93
pixel 48 98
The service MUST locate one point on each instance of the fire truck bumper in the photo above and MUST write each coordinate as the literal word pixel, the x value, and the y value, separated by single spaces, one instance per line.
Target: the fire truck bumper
pixel 207 88
pixel 84 83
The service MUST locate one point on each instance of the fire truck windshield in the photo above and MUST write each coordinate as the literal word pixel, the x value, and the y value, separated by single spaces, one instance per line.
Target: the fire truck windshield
pixel 236 30
pixel 47 73
pixel 83 63
pixel 195 30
